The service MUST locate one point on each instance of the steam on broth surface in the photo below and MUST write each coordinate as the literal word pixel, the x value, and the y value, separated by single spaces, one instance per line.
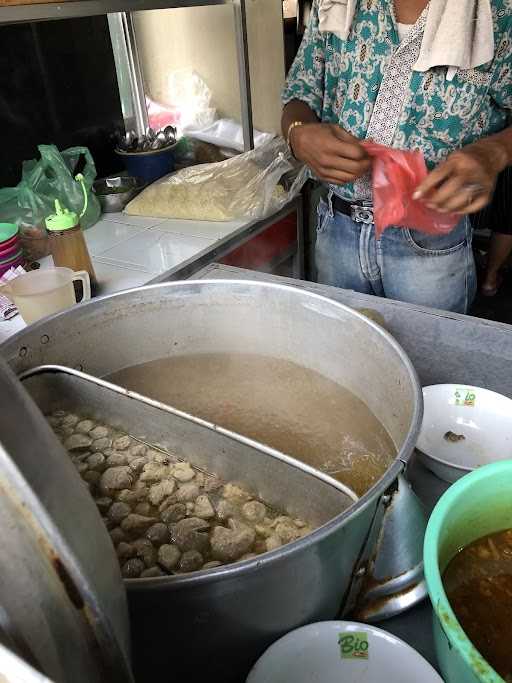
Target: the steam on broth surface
pixel 276 402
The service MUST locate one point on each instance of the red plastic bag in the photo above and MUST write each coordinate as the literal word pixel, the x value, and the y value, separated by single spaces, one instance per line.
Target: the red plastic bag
pixel 160 116
pixel 396 175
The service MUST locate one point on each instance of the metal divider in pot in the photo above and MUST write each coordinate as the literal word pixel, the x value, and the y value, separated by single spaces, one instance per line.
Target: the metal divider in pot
pixel 310 494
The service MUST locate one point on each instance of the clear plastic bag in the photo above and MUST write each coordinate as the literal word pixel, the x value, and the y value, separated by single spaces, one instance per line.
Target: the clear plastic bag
pixel 43 181
pixel 396 175
pixel 245 186
pixel 190 99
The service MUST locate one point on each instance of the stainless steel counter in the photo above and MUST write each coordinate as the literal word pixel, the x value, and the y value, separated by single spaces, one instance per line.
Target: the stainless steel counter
pixel 444 347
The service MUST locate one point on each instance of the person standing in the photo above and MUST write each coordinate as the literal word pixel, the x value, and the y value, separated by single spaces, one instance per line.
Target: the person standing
pixel 411 74
pixel 498 217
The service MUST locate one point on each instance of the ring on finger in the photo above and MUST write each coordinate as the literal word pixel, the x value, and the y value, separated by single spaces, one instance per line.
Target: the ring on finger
pixel 474 188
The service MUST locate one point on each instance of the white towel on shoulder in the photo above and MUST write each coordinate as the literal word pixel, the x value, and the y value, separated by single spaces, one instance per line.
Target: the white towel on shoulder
pixel 336 16
pixel 458 33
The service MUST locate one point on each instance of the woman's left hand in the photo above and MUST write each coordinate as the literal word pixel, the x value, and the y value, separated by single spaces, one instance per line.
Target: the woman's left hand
pixel 465 182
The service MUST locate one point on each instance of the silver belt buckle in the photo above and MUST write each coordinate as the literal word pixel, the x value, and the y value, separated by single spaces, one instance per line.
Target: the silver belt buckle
pixel 362 213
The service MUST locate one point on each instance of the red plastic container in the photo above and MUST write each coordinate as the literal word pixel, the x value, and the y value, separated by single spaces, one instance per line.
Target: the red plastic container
pixel 9 243
pixel 9 252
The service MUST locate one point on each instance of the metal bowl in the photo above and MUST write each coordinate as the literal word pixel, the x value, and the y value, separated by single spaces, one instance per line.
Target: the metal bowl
pixel 112 199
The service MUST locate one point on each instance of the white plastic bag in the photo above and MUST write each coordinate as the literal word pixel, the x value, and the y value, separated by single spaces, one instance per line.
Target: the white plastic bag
pixel 189 95
pixel 187 102
pixel 245 186
pixel 227 134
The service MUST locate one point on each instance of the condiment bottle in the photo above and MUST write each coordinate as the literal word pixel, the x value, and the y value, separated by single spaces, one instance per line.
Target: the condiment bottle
pixel 67 243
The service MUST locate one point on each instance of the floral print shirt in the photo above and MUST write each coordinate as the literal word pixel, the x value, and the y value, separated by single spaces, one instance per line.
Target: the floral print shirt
pixel 367 85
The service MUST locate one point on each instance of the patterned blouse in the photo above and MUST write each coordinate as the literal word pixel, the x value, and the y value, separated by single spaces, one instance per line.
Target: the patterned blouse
pixel 367 85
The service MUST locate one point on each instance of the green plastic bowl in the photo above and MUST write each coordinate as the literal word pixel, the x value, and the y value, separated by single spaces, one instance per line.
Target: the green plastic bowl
pixel 478 504
pixel 7 231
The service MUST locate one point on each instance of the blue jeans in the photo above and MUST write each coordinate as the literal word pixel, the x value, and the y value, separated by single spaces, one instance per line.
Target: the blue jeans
pixel 406 265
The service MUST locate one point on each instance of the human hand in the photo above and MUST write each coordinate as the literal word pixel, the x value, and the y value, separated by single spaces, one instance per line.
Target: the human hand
pixel 465 182
pixel 330 152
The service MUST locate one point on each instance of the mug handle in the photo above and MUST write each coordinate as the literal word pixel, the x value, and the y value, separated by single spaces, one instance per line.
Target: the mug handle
pixel 84 278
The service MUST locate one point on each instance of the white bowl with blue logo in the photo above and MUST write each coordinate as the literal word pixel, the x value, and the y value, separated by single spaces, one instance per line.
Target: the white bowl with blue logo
pixel 341 652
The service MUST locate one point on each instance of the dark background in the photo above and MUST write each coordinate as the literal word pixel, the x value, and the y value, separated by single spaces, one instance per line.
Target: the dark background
pixel 58 86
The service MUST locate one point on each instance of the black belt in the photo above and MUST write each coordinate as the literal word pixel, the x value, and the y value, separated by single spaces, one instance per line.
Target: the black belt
pixel 360 212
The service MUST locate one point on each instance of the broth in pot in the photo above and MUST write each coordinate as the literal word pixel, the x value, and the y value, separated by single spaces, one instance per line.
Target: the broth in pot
pixel 275 402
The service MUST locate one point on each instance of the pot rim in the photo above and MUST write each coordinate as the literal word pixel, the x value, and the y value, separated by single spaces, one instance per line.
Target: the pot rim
pixel 398 465
pixel 440 603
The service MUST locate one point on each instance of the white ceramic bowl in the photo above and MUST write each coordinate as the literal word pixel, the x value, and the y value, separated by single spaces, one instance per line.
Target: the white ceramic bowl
pixel 482 417
pixel 313 654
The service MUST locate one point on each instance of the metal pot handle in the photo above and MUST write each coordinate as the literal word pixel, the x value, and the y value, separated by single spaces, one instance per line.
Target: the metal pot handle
pixel 389 576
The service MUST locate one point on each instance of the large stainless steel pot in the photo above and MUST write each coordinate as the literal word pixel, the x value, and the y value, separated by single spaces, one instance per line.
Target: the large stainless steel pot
pixel 62 607
pixel 14 669
pixel 216 624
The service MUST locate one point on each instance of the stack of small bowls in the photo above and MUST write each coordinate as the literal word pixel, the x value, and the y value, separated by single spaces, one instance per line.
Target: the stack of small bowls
pixel 11 253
